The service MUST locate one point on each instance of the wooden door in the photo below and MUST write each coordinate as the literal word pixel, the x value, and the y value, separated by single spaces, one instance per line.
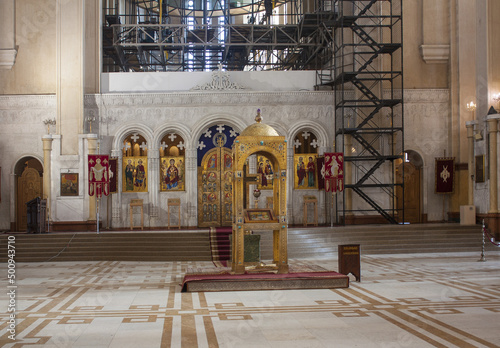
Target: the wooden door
pixel 29 186
pixel 412 193
pixel 215 188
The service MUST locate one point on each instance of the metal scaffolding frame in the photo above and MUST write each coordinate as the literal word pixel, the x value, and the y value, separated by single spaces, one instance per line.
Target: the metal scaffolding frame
pixel 367 77
pixel 355 47
pixel 216 34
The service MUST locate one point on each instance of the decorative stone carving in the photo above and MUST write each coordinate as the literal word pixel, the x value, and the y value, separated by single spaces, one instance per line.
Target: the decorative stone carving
pixel 220 82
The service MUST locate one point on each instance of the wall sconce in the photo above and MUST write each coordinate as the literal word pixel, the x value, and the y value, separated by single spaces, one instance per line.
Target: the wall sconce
pixel 478 136
pixel 91 118
pixel 49 122
pixel 471 107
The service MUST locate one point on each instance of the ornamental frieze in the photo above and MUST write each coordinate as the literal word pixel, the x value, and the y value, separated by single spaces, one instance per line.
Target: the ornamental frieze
pixel 218 98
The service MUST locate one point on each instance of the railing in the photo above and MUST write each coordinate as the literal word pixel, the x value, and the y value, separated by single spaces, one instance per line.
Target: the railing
pixel 237 46
pixel 491 239
pixel 174 35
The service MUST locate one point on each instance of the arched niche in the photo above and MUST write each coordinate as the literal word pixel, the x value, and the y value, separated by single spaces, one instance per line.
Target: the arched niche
pixel 260 139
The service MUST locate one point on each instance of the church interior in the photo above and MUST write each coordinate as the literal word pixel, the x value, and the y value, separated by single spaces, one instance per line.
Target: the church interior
pixel 193 173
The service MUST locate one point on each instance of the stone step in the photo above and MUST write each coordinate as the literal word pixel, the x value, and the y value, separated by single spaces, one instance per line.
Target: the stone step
pixel 125 246
pixel 311 242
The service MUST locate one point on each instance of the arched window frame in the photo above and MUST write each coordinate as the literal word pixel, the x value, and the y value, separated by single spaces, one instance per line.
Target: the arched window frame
pixel 305 160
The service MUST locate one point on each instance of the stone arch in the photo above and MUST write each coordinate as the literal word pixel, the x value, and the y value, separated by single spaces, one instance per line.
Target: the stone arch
pixel 201 163
pixel 183 131
pixel 210 120
pixel 312 126
pixel 296 195
pixel 128 129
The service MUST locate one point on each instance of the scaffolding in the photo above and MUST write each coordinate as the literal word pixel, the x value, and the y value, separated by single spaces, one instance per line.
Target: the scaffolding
pixel 355 47
pixel 367 77
pixel 187 35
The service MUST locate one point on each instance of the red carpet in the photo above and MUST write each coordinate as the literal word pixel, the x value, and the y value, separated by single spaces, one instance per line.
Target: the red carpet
pixel 225 281
pixel 219 245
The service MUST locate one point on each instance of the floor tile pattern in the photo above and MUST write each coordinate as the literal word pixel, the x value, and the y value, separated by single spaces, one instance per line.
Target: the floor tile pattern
pixel 404 300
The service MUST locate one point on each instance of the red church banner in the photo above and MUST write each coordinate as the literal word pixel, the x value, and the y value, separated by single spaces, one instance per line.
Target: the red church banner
pixel 445 175
pixel 113 176
pixel 98 175
pixel 320 165
pixel 334 171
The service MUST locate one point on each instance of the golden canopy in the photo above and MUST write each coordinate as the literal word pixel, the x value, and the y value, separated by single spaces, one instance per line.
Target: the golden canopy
pixel 259 129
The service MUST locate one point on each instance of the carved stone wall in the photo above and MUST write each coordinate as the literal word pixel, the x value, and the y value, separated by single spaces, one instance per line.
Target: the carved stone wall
pixel 191 113
pixel 427 131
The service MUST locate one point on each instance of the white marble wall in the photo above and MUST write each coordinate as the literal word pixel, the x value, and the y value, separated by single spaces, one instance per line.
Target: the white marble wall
pixel 427 131
pixel 190 114
pixel 427 123
pixel 21 131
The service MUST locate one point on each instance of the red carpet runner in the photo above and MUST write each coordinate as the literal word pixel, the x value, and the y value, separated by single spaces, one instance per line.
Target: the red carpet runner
pixel 223 280
pixel 219 245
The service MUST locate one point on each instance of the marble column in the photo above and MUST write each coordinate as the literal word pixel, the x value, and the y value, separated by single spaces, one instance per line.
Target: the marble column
pixel 492 122
pixel 92 150
pixel 47 178
pixel 70 84
pixel 470 162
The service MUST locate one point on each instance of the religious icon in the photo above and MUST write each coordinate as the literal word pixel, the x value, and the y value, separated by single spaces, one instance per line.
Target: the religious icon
pixel 140 177
pixel 212 162
pixel 228 161
pixel 301 171
pixel 69 184
pixel 311 168
pixel 265 169
pixel 258 215
pixel 135 174
pixel 212 197
pixel 305 171
pixel 212 176
pixel 171 174
pixel 129 176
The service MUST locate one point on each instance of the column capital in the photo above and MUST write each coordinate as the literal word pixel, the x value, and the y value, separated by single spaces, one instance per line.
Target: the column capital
pixel 115 153
pixel 470 128
pixel 47 142
pixel 492 123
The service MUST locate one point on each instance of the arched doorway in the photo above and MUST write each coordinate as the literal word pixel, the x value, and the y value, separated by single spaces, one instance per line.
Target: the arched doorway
pixel 29 185
pixel 215 169
pixel 411 168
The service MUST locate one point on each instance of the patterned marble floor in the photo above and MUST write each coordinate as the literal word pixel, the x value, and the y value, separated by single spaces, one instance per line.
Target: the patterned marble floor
pixel 412 300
